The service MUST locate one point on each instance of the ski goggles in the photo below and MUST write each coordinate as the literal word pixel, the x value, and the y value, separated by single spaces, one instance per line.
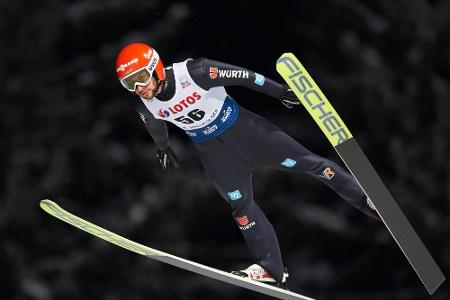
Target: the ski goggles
pixel 142 76
pixel 138 78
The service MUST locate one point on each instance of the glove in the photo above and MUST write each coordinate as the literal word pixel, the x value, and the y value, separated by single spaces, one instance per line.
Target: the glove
pixel 167 159
pixel 288 98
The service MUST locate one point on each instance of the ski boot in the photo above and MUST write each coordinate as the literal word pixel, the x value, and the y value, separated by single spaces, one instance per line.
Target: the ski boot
pixel 257 273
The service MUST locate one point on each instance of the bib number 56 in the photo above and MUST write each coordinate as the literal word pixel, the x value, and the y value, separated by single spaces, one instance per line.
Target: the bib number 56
pixel 192 116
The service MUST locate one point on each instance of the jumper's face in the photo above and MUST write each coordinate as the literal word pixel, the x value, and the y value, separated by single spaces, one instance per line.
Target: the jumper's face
pixel 150 90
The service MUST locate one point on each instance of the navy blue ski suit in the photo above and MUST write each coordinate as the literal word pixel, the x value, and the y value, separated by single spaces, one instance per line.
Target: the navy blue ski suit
pixel 230 158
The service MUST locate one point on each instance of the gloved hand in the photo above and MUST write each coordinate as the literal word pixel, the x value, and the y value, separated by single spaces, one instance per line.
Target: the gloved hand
pixel 167 159
pixel 288 98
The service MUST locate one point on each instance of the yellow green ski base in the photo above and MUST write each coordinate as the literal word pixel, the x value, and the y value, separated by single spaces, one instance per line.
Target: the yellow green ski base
pixel 318 106
pixel 56 211
pixel 312 98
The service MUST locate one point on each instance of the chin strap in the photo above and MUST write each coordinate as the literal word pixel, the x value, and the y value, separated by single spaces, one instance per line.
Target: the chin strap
pixel 162 87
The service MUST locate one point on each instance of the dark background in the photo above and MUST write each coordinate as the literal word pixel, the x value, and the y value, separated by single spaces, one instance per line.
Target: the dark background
pixel 69 133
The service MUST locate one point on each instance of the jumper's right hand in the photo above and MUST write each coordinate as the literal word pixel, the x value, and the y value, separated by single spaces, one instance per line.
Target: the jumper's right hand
pixel 167 159
pixel 288 97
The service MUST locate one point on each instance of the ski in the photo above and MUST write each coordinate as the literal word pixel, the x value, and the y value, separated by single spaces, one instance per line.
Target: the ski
pixel 318 106
pixel 56 211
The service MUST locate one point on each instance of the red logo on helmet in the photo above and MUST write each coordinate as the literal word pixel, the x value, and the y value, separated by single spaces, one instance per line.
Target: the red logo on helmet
pixel 148 54
pixel 122 67
pixel 242 220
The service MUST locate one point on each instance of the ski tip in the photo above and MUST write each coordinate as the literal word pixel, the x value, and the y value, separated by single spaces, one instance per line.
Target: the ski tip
pixel 285 54
pixel 287 61
pixel 46 202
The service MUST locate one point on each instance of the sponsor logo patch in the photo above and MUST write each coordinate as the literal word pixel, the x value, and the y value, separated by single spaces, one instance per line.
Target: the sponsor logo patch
pixel 226 115
pixel 245 223
pixel 289 163
pixel 180 106
pixel 210 129
pixel 242 220
pixel 236 195
pixel 213 72
pixel 218 73
pixel 143 118
pixel 327 173
pixel 184 82
pixel 259 79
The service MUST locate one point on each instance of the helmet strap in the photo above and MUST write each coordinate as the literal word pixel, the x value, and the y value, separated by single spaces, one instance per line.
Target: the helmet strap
pixel 162 85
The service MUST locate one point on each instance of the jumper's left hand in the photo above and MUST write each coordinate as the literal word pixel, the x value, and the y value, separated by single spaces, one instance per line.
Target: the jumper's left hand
pixel 288 97
pixel 167 159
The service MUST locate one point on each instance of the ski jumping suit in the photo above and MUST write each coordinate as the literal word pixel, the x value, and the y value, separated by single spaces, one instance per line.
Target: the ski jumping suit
pixel 229 140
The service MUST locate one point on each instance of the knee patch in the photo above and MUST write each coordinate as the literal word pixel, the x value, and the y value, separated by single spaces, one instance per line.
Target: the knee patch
pixel 327 173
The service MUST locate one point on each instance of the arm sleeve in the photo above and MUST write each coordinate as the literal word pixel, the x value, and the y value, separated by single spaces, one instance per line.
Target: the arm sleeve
pixel 156 128
pixel 209 73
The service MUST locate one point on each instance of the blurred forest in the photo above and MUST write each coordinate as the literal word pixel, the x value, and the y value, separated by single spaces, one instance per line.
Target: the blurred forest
pixel 69 133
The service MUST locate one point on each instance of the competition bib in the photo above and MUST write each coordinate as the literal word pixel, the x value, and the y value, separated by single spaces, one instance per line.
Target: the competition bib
pixel 201 114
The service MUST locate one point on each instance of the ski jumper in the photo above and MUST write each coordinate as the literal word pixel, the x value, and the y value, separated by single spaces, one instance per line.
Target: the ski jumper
pixel 229 139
